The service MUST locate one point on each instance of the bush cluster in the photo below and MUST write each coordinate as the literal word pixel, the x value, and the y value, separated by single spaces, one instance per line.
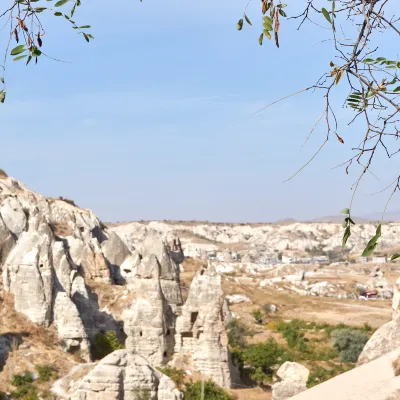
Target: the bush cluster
pixel 177 375
pixel 24 387
pixel 104 344
pixel 211 391
pixel 349 343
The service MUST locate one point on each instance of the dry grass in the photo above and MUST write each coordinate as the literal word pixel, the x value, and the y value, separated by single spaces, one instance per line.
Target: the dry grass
pixel 62 229
pixel 396 366
pixel 3 174
pixel 32 345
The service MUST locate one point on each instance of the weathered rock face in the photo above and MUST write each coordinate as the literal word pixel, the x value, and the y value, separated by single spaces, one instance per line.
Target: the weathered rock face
pixel 124 375
pixel 149 322
pixel 384 340
pixel 168 260
pixel 293 380
pixel 200 329
pixel 48 247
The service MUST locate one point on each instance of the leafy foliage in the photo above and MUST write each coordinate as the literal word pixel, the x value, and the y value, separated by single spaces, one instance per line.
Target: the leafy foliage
pixel 211 391
pixel 263 359
pixel 104 344
pixel 349 343
pixel 177 375
pixel 25 389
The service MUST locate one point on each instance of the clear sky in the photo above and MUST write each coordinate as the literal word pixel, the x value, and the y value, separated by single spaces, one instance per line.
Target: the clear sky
pixel 152 120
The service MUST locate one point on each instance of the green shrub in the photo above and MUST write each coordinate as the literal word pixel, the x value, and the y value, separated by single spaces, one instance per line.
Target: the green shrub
pixel 262 358
pixel 20 380
pixel 104 344
pixel 177 375
pixel 349 343
pixel 45 372
pixel 236 334
pixel 211 391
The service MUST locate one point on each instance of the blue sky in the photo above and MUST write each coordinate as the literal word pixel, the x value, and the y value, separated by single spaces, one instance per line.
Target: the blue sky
pixel 153 119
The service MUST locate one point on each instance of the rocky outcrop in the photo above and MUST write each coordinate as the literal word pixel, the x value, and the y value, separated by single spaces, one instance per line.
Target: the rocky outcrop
pixel 149 322
pixel 124 375
pixel 200 329
pixel 292 380
pixel 49 248
pixel 384 340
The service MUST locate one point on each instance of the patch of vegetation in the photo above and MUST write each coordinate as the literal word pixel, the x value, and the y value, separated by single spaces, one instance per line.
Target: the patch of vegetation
pixel 349 343
pixel 262 359
pixel 104 344
pixel 25 389
pixel 237 333
pixel 46 372
pixel 177 375
pixel 211 391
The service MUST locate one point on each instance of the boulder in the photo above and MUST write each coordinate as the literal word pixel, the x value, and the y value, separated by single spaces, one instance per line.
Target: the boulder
pixel 384 340
pixel 238 298
pixel 293 380
pixel 124 375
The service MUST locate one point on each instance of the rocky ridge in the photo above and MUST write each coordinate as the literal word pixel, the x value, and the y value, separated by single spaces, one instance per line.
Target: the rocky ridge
pixel 52 252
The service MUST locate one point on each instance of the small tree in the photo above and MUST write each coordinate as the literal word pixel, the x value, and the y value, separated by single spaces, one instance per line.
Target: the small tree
pixel 262 358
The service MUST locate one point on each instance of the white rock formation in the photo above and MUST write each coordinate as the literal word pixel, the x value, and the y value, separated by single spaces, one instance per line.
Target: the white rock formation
pixel 124 375
pixel 48 248
pixel 292 380
pixel 200 329
pixel 149 322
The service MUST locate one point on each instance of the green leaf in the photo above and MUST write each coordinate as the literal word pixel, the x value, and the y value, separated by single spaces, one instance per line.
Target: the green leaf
pixel 267 34
pixel 239 25
pixel 369 250
pixel 397 89
pixel 247 19
pixel 351 221
pixel 2 96
pixel 282 12
pixel 347 234
pixel 28 60
pixel 345 211
pixel 368 60
pixel 17 50
pixel 61 3
pixel 20 57
pixel 326 15
pixel 86 37
pixel 58 14
pixel 260 39
pixel 395 257
pixel 35 52
pixel 267 23
pixel 85 27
